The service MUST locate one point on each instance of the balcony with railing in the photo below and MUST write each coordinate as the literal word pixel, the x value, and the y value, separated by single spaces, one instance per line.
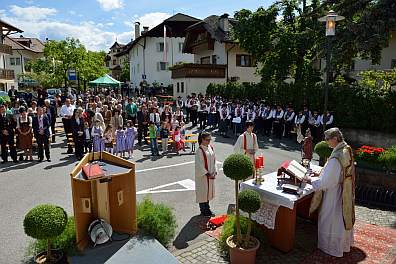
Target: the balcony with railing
pixel 7 74
pixel 6 49
pixel 192 70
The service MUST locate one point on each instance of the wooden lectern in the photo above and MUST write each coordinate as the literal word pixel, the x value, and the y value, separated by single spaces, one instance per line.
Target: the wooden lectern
pixel 111 197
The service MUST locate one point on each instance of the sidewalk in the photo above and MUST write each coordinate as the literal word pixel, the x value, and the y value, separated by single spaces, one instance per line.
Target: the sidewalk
pixel 206 251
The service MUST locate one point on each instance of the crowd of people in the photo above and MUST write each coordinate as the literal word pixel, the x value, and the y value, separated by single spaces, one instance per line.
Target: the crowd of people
pixel 112 122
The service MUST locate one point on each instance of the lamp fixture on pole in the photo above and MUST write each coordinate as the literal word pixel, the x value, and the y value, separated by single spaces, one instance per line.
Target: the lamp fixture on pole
pixel 331 18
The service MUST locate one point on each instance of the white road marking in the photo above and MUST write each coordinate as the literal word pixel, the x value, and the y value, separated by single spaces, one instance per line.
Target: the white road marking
pixel 189 185
pixel 164 167
pixel 170 166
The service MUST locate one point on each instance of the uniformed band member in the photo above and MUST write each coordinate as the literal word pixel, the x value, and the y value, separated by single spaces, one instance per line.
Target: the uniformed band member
pixel 278 122
pixel 205 173
pixel 41 131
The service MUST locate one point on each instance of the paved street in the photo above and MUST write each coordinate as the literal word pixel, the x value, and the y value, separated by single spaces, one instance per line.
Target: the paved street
pixel 27 184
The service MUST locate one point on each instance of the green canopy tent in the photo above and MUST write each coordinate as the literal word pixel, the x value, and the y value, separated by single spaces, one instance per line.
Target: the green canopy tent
pixel 105 81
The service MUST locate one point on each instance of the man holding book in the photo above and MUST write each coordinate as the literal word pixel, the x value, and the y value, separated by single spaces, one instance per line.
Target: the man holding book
pixel 334 196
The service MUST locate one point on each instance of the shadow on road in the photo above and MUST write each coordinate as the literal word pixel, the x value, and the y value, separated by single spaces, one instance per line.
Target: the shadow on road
pixel 194 227
pixel 17 166
pixel 66 161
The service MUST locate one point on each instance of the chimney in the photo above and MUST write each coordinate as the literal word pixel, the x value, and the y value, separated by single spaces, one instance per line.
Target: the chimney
pixel 145 29
pixel 224 23
pixel 137 30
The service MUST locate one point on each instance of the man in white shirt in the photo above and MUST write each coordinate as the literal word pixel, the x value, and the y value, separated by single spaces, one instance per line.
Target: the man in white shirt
pixel 66 113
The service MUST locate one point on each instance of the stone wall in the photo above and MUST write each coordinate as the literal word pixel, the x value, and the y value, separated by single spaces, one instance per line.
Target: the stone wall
pixel 358 137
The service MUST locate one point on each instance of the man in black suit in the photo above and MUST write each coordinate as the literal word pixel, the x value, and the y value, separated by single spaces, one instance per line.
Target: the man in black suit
pixel 51 113
pixel 142 119
pixel 41 125
pixel 7 128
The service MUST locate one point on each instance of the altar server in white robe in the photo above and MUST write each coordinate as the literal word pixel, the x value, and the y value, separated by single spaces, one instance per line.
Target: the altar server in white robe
pixel 205 173
pixel 247 142
pixel 335 222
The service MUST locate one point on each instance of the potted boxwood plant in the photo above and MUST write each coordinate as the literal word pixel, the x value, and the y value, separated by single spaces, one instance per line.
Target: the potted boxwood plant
pixel 324 152
pixel 46 221
pixel 238 167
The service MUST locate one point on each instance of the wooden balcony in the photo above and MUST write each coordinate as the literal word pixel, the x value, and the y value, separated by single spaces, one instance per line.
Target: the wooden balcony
pixel 6 49
pixel 192 70
pixel 7 74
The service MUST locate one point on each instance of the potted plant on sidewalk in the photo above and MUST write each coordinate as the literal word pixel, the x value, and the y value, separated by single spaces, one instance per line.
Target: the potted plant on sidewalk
pixel 238 167
pixel 46 221
pixel 324 152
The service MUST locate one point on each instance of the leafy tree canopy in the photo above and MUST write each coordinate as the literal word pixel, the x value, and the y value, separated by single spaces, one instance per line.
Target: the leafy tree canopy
pixel 59 56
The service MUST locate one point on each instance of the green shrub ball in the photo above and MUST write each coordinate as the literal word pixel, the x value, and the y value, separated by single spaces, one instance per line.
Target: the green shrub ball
pixel 238 167
pixel 249 201
pixel 322 149
pixel 45 221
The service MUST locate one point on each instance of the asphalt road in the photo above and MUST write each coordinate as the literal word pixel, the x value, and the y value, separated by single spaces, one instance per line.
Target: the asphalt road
pixel 26 184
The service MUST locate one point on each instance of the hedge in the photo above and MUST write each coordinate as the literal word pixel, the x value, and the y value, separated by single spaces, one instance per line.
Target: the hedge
pixel 353 106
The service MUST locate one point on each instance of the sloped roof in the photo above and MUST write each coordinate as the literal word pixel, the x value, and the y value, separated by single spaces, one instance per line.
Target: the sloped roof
pixel 9 27
pixel 117 45
pixel 212 25
pixel 17 44
pixel 177 23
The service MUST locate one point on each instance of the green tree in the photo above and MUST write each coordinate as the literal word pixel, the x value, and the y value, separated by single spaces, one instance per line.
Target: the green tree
pixel 125 74
pixel 60 56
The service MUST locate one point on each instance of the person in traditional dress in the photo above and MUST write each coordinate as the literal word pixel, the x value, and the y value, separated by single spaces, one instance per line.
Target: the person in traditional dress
pixel 205 174
pixel 334 194
pixel 97 134
pixel 247 142
pixel 25 133
pixel 178 139
pixel 120 142
pixel 130 135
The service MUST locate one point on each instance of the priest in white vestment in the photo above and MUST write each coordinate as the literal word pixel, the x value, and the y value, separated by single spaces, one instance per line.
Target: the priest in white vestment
pixel 205 173
pixel 333 238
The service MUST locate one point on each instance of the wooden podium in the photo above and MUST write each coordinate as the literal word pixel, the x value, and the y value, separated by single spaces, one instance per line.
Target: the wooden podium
pixel 111 197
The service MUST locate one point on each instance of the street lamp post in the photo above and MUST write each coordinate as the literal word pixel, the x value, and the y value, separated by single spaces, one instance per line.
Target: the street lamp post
pixel 331 18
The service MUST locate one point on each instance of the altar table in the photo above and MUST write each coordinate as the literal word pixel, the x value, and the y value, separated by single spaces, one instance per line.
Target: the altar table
pixel 286 207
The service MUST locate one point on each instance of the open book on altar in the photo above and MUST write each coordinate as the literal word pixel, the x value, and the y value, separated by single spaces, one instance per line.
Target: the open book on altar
pixel 295 169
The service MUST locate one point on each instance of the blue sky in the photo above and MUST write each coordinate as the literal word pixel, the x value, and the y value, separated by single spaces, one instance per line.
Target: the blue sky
pixel 98 23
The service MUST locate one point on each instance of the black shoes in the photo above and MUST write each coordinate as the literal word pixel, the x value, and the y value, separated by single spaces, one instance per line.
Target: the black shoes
pixel 207 213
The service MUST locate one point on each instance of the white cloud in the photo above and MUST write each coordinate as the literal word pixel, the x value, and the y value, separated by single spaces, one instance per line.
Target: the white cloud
pixel 150 20
pixel 32 13
pixel 72 12
pixel 94 35
pixel 108 5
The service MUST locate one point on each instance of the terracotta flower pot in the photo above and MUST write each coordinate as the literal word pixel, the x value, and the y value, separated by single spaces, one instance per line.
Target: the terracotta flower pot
pixel 57 255
pixel 241 255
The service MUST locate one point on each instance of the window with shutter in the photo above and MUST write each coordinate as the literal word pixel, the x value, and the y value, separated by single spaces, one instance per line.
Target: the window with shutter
pixel 178 88
pixel 238 60
pixel 182 87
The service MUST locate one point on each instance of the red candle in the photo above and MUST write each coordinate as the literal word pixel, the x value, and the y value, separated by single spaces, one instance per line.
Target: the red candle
pixel 258 163
pixel 261 157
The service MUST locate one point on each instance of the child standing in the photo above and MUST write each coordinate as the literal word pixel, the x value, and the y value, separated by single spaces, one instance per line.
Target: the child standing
pixel 130 134
pixel 97 134
pixel 120 142
pixel 87 138
pixel 108 138
pixel 153 139
pixel 164 134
